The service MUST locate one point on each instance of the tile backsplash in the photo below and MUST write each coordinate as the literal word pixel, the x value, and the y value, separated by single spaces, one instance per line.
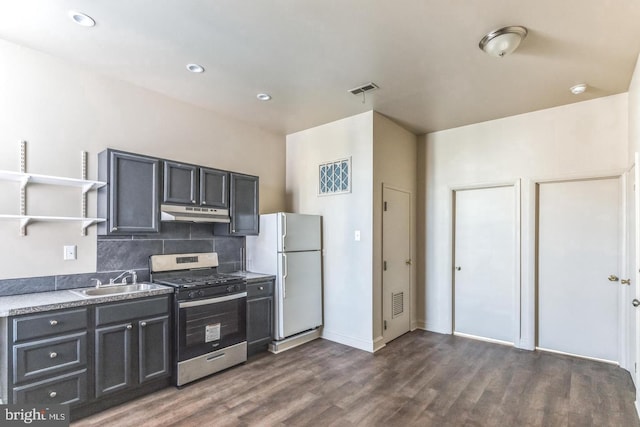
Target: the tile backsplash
pixel 118 253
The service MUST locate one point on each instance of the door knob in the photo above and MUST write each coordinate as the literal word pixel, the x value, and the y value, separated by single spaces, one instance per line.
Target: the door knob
pixel 458 268
pixel 635 302
pixel 613 278
pixel 625 281
pixel 408 262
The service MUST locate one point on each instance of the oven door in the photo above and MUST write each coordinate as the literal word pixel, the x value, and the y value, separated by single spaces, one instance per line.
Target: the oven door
pixel 210 324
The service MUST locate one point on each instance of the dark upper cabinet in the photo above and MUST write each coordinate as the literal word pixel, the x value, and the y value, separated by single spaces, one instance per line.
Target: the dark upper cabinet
pixel 129 201
pixel 214 188
pixel 192 185
pixel 180 183
pixel 243 207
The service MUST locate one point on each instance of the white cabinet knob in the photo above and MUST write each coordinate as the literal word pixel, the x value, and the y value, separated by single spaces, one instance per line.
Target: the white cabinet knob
pixel 53 394
pixel 129 326
pixel 53 355
pixel 53 322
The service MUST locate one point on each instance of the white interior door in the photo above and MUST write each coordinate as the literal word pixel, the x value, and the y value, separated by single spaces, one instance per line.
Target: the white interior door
pixel 485 263
pixel 396 270
pixel 579 247
pixel 635 268
pixel 630 267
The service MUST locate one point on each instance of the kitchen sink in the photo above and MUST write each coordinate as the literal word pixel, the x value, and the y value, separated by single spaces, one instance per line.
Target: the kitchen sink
pixel 116 289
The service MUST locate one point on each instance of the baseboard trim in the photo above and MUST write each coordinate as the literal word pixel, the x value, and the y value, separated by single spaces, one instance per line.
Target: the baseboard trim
pixel 378 343
pixel 434 327
pixel 595 359
pixel 485 339
pixel 350 341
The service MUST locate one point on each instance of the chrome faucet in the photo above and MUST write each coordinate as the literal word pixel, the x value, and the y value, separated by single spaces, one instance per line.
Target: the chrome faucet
pixel 123 276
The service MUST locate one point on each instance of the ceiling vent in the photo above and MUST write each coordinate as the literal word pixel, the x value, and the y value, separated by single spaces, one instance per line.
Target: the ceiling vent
pixel 368 87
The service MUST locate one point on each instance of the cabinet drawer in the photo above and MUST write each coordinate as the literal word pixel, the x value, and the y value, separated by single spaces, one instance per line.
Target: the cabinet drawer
pixel 135 309
pixel 65 389
pixel 49 323
pixel 260 289
pixel 49 357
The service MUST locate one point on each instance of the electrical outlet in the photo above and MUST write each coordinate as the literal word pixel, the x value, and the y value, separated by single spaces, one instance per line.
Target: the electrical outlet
pixel 70 252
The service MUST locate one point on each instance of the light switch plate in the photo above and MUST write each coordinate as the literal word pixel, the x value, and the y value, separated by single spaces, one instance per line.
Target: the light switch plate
pixel 70 252
pixel 356 235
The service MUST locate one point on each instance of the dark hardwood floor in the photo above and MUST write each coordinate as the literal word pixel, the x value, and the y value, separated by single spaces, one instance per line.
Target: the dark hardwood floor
pixel 421 378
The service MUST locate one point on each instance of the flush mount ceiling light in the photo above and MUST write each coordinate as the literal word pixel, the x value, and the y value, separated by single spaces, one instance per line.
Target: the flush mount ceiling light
pixel 578 89
pixel 263 97
pixel 82 19
pixel 501 42
pixel 195 68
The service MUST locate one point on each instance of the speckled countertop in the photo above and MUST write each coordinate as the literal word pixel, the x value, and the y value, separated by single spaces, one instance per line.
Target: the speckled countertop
pixel 250 276
pixel 46 301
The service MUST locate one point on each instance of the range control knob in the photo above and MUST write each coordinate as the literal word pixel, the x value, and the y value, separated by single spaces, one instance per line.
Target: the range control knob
pixel 201 293
pixel 229 288
pixel 192 294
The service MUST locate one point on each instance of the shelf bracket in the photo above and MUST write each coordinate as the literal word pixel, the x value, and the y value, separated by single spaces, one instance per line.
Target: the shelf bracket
pixel 23 187
pixel 23 226
pixel 85 189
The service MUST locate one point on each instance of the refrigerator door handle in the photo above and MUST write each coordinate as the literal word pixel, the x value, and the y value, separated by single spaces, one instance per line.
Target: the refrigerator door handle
pixel 285 272
pixel 284 229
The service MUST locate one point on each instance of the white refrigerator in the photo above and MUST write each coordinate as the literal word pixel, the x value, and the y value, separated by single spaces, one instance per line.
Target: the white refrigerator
pixel 289 247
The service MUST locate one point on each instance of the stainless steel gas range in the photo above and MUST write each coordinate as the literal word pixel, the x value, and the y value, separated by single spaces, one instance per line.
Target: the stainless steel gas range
pixel 210 314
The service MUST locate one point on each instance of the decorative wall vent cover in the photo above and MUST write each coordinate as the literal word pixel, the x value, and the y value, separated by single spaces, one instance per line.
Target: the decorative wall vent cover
pixel 334 177
pixel 397 300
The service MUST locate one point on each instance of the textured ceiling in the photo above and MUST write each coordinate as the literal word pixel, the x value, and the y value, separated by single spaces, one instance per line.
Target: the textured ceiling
pixel 423 54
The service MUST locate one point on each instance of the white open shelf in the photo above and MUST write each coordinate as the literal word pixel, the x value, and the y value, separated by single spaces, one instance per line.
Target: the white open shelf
pixel 32 178
pixel 27 219
pixel 25 178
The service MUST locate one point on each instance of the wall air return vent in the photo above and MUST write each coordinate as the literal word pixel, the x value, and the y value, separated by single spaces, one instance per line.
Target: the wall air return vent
pixel 364 88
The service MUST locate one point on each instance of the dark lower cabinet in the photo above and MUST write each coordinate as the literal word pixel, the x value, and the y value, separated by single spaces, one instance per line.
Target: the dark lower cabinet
pixel 259 316
pixel 90 358
pixel 153 349
pixel 135 349
pixel 113 359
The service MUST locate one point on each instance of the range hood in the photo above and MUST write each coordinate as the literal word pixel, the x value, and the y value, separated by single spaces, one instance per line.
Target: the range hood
pixel 193 214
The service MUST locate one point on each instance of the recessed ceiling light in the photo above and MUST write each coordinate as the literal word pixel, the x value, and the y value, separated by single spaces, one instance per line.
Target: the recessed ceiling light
pixel 578 89
pixel 195 68
pixel 263 97
pixel 81 19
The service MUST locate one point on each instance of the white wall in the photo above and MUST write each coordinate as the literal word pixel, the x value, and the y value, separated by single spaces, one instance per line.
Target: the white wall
pixel 634 112
pixel 61 109
pixel 347 264
pixel 574 140
pixel 394 165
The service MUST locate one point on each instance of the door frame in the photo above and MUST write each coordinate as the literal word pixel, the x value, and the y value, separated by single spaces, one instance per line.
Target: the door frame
pixel 411 255
pixel 517 280
pixel 621 176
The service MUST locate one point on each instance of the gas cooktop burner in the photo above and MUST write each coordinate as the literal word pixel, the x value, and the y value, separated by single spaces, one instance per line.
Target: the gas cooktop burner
pixel 198 280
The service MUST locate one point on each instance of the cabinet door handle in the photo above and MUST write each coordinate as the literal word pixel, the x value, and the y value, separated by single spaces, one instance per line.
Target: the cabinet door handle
pixel 53 394
pixel 53 355
pixel 261 288
pixel 129 326
pixel 114 229
pixel 143 324
pixel 53 322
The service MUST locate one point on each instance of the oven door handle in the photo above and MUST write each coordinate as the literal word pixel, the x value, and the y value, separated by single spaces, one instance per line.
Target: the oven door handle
pixel 197 303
